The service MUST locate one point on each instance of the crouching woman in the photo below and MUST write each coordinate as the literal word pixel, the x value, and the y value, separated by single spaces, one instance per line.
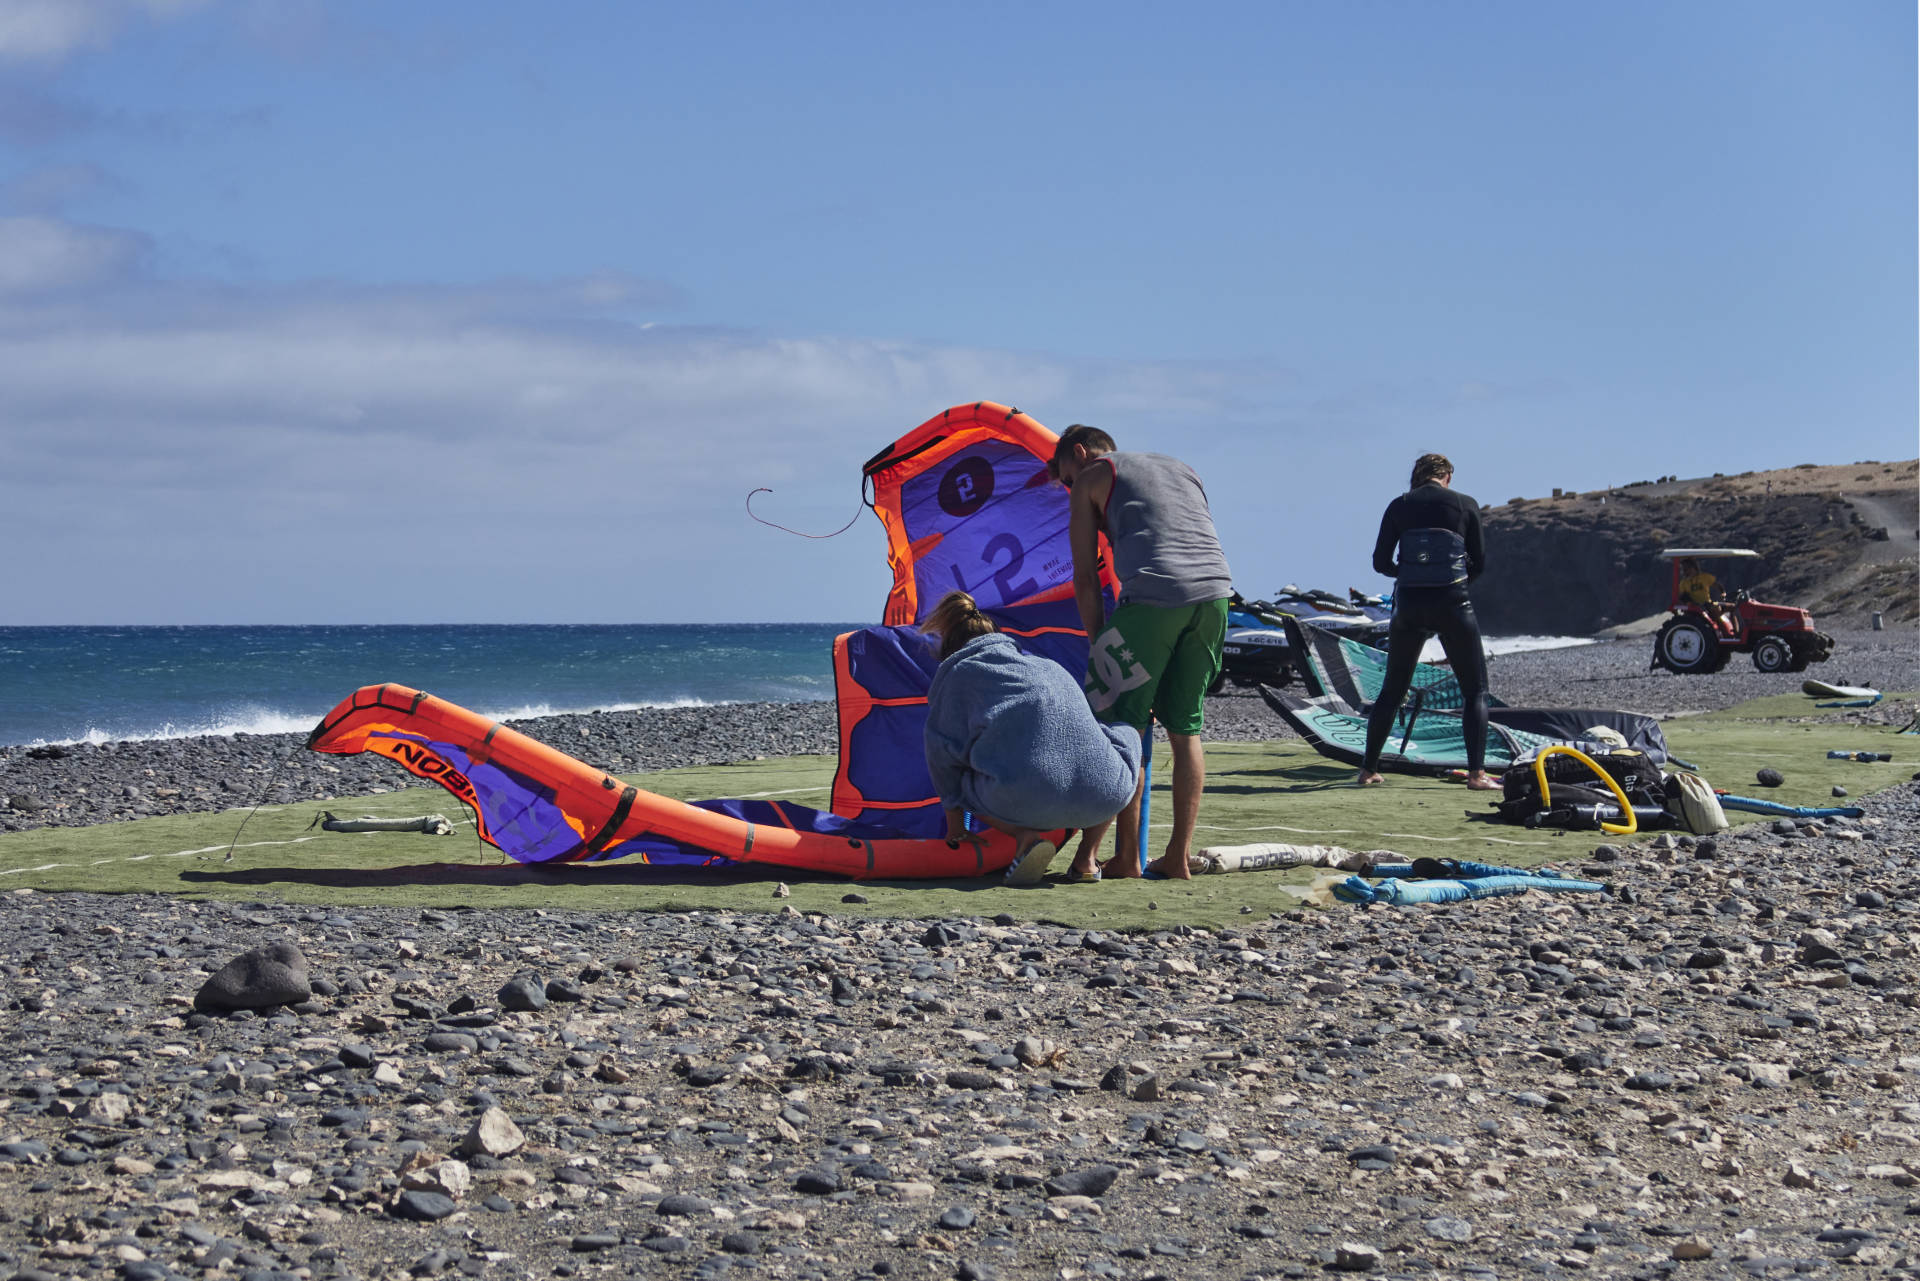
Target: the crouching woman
pixel 1010 739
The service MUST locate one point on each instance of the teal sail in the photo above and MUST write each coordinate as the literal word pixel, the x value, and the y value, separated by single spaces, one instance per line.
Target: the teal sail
pixel 1332 666
pixel 1422 741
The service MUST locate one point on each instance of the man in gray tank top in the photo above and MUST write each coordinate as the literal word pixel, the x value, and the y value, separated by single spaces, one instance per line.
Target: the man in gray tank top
pixel 1158 653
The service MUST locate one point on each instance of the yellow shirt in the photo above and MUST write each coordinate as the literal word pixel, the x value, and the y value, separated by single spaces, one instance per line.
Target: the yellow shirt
pixel 1697 587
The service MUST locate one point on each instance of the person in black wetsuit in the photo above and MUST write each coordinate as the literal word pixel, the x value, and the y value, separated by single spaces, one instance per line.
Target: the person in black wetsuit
pixel 1430 544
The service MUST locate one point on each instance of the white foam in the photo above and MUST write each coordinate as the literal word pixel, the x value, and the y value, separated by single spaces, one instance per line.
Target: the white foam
pixel 249 720
pixel 1521 644
pixel 532 711
pixel 266 720
pixel 1432 652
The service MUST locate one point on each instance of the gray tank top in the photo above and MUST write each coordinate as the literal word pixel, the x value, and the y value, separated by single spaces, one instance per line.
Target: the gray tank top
pixel 1164 547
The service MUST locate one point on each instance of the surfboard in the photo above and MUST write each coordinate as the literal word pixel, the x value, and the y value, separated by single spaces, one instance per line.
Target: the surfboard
pixel 1823 690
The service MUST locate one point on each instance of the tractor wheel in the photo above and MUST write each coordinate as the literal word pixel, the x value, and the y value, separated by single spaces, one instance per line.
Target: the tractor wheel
pixel 1772 654
pixel 1689 647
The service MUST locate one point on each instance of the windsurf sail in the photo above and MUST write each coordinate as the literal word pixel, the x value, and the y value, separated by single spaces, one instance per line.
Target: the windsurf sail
pixel 1343 678
pixel 1427 743
pixel 1333 666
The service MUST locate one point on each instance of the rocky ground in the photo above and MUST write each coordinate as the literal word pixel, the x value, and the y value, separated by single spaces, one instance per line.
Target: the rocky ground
pixel 80 784
pixel 1712 1071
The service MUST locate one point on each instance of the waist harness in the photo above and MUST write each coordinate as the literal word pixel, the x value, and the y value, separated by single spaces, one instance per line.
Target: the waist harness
pixel 1432 558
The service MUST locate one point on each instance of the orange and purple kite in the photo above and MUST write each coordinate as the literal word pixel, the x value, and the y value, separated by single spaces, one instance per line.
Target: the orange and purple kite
pixel 966 502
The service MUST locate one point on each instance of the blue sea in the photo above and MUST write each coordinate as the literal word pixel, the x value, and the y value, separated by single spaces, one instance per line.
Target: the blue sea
pixel 93 684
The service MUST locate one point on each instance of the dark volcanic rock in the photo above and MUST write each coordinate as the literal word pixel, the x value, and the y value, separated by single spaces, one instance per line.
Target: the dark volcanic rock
pixel 265 976
pixel 1094 1180
pixel 425 1206
pixel 522 993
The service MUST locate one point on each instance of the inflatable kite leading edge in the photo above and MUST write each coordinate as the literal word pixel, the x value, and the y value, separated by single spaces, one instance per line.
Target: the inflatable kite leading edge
pixel 539 805
pixel 966 501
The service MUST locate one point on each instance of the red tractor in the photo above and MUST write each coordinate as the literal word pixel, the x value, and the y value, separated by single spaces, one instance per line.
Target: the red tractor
pixel 1706 628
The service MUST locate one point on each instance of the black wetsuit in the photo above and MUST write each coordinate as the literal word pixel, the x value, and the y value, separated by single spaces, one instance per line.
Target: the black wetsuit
pixel 1431 599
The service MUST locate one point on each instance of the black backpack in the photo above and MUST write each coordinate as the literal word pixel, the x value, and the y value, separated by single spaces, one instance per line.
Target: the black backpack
pixel 1576 799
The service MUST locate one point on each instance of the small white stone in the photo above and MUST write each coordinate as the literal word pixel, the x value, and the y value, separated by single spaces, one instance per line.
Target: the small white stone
pixel 494 1134
pixel 449 1178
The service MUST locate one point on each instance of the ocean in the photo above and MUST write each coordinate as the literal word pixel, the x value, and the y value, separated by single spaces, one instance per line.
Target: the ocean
pixel 94 684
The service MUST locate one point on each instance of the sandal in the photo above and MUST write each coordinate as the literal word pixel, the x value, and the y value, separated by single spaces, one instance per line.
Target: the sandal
pixel 1030 864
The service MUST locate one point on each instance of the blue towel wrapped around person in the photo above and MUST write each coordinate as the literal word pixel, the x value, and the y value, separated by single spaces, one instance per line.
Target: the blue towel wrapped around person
pixel 1010 738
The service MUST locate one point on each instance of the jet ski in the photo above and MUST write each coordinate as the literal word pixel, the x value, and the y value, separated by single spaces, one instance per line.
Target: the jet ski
pixel 1257 650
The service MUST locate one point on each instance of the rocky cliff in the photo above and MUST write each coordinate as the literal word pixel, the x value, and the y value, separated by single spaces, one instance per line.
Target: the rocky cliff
pixel 1839 540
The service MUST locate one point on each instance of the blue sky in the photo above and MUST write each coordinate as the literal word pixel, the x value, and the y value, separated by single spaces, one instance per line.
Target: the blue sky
pixel 360 312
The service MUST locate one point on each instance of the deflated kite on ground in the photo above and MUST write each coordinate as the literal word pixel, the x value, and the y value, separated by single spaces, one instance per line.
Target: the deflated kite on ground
pixel 966 502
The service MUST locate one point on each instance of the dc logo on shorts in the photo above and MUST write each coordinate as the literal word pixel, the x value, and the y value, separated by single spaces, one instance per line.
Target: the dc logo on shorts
pixel 1113 671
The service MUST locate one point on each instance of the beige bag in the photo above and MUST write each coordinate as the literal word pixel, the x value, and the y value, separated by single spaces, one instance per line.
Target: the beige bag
pixel 1697 806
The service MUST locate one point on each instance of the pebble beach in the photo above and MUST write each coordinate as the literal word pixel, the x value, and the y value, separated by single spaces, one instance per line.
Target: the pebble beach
pixel 1713 1070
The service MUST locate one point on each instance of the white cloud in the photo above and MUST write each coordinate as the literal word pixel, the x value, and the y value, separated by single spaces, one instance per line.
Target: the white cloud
pixel 51 30
pixel 231 446
pixel 43 254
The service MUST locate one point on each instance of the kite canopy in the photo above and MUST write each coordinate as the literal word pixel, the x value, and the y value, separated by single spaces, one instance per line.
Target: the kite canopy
pixel 539 805
pixel 967 503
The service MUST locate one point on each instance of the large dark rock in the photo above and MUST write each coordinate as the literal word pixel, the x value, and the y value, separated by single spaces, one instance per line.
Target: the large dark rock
pixel 271 975
pixel 523 993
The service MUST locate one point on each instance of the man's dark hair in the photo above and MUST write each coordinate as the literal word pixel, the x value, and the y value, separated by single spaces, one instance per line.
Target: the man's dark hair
pixel 1096 441
pixel 1428 468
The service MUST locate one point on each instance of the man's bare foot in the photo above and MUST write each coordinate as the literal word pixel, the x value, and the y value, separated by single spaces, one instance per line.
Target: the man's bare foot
pixel 1482 782
pixel 1368 778
pixel 1119 868
pixel 1174 869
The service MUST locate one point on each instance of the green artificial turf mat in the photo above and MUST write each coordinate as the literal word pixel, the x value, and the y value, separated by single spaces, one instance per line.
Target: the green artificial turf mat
pixel 1256 793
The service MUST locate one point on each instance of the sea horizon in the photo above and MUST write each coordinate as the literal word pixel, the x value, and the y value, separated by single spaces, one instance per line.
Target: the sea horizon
pixel 99 683
pixel 131 682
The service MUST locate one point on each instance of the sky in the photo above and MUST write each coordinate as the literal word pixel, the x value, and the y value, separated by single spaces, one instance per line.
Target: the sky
pixel 343 311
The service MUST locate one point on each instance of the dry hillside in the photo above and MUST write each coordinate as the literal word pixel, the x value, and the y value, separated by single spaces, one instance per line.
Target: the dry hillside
pixel 1843 540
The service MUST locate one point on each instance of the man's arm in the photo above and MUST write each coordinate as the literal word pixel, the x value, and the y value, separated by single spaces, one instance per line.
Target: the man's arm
pixel 1090 493
pixel 1387 544
pixel 1476 542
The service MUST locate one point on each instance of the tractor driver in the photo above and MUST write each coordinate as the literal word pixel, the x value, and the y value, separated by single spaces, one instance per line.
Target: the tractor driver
pixel 1701 588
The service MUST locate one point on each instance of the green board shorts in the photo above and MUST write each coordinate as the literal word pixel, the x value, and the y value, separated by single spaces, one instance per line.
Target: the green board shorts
pixel 1154 662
